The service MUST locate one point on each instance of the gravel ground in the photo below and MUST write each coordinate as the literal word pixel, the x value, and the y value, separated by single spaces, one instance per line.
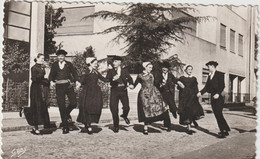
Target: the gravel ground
pixel 130 143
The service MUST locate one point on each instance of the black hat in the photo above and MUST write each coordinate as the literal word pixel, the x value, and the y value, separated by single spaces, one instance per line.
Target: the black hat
pixel 117 58
pixel 166 64
pixel 63 52
pixel 212 63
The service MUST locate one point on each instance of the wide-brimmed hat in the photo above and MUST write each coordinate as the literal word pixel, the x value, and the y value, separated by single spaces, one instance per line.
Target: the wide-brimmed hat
pixel 90 60
pixel 118 58
pixel 61 52
pixel 212 63
pixel 165 64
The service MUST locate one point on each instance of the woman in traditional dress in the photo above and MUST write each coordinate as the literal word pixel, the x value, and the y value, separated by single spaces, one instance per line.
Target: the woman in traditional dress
pixel 151 107
pixel 39 95
pixel 91 101
pixel 189 107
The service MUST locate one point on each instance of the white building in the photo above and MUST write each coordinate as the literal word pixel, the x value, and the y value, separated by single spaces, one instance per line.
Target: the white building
pixel 228 39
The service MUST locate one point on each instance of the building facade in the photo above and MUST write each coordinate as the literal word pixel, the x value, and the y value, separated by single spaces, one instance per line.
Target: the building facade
pixel 228 37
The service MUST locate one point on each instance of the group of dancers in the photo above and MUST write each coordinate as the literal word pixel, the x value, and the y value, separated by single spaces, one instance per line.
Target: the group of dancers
pixel 155 98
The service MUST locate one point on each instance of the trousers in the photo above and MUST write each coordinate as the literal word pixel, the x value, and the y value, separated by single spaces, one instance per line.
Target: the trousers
pixel 217 107
pixel 61 91
pixel 119 93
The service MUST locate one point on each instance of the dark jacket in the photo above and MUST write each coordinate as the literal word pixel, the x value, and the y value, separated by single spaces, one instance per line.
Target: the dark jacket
pixel 170 83
pixel 215 85
pixel 125 77
pixel 72 71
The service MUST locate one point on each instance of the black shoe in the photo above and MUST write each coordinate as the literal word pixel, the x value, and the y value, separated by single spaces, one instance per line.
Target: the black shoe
pixel 174 114
pixel 221 135
pixel 36 131
pixel 116 129
pixel 20 112
pixel 127 121
pixel 65 130
pixel 190 132
pixel 83 130
pixel 226 133
pixel 169 129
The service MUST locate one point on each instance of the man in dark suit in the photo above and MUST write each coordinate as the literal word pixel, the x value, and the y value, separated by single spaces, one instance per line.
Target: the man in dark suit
pixel 63 74
pixel 165 82
pixel 119 78
pixel 215 85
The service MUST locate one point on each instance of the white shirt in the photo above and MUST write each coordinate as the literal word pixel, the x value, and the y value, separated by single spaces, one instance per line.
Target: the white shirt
pixel 165 77
pixel 211 75
pixel 62 64
pixel 119 71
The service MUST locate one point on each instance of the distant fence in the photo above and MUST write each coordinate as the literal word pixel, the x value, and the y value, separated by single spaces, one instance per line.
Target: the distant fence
pixel 14 95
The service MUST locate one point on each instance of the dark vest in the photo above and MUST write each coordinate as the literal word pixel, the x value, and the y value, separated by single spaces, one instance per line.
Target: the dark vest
pixel 63 74
pixel 169 86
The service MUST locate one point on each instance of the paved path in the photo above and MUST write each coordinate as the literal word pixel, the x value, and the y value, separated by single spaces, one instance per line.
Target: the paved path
pixel 130 143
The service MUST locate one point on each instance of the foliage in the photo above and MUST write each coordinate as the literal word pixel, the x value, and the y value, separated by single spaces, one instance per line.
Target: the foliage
pixel 16 57
pixel 53 20
pixel 79 60
pixel 18 95
pixel 89 52
pixel 148 28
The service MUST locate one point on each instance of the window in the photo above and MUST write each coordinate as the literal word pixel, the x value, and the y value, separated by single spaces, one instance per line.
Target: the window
pixel 205 73
pixel 74 25
pixel 222 36
pixel 232 41
pixel 17 19
pixel 240 45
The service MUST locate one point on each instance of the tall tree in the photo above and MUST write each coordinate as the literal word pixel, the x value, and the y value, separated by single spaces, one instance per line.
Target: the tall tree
pixel 53 20
pixel 79 60
pixel 148 28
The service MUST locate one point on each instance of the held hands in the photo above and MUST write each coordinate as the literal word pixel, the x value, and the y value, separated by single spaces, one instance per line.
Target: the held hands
pixel 78 85
pixel 198 94
pixel 116 77
pixel 181 84
pixel 131 86
pixel 216 96
pixel 52 84
pixel 162 84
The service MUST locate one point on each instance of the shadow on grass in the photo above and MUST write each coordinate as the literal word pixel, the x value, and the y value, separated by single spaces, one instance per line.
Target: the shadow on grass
pixel 175 127
pixel 243 131
pixel 95 129
pixel 206 131
pixel 121 127
pixel 246 116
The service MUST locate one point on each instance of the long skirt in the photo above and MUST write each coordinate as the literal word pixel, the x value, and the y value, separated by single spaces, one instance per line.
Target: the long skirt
pixel 189 108
pixel 151 107
pixel 39 104
pixel 90 106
